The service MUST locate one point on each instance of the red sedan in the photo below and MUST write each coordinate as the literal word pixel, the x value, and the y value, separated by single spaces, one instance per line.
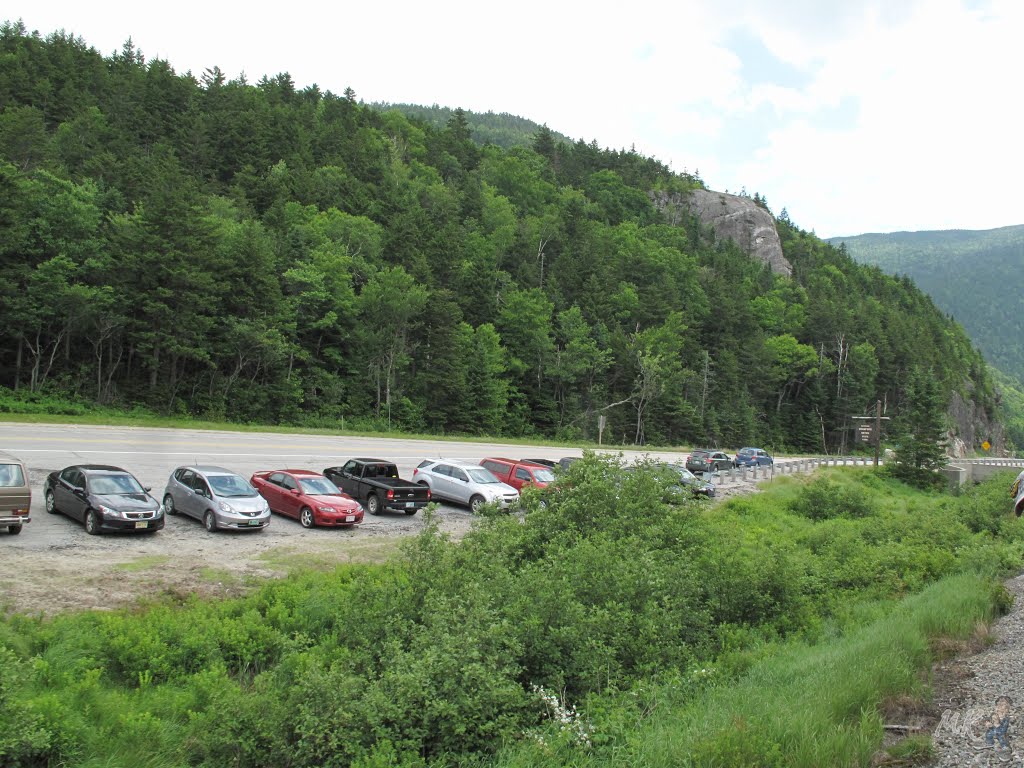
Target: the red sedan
pixel 309 497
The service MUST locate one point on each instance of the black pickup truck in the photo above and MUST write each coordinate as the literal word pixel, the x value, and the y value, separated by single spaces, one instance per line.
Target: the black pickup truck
pixel 376 485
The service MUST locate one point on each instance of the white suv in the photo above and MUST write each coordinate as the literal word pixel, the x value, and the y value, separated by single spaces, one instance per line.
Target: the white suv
pixel 465 483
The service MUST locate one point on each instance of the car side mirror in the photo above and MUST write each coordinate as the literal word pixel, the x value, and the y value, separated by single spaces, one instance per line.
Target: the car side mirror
pixel 296 491
pixel 147 488
pixel 79 492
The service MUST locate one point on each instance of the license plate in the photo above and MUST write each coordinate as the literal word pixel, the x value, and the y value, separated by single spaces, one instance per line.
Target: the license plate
pixel 254 522
pixel 350 518
pixel 410 504
pixel 142 524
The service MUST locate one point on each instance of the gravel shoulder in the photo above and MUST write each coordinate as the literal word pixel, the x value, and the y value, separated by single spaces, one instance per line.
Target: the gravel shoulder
pixel 969 693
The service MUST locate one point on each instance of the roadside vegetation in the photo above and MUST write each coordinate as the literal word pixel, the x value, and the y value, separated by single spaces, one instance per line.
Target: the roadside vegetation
pixel 614 625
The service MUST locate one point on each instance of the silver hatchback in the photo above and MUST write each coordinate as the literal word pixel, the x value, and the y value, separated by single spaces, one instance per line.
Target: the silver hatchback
pixel 217 496
pixel 465 483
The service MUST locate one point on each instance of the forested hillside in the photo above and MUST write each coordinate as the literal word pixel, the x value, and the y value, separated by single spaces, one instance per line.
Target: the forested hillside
pixel 274 253
pixel 503 129
pixel 972 275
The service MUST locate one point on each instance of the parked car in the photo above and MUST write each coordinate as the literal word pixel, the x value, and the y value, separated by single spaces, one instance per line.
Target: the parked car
pixel 567 461
pixel 15 494
pixel 519 473
pixel 464 483
pixel 543 462
pixel 694 484
pixel 708 460
pixel 677 480
pixel 308 497
pixel 104 498
pixel 217 496
pixel 375 484
pixel 749 457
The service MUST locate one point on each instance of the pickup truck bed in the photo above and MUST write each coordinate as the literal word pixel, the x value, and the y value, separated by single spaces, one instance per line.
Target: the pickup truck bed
pixel 376 485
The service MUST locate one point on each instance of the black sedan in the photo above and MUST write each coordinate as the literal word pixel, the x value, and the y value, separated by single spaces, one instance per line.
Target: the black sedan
pixel 104 498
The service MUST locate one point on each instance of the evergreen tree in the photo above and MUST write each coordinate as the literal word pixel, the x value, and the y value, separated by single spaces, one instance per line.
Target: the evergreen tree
pixel 919 431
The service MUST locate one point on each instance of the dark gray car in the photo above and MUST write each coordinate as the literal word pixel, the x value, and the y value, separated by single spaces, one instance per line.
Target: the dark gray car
pixel 217 496
pixel 104 498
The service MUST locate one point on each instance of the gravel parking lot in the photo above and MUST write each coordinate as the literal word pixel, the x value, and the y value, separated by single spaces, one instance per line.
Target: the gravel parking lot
pixel 54 566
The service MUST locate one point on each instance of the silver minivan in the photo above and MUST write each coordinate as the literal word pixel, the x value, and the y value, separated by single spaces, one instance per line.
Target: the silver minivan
pixel 217 496
pixel 465 483
pixel 15 493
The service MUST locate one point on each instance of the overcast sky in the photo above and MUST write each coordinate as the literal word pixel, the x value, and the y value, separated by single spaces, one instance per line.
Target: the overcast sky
pixel 854 115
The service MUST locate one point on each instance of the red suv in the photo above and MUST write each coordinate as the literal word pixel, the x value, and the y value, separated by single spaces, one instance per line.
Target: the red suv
pixel 519 473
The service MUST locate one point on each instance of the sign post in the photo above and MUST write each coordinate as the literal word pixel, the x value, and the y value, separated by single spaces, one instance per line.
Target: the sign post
pixel 864 431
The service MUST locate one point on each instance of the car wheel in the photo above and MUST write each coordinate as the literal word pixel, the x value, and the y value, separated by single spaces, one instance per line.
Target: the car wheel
pixel 306 517
pixel 210 521
pixel 373 504
pixel 169 505
pixel 475 503
pixel 51 503
pixel 92 523
pixel 14 529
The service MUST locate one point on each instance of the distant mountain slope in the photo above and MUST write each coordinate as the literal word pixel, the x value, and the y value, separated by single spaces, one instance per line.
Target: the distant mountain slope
pixel 972 275
pixel 501 129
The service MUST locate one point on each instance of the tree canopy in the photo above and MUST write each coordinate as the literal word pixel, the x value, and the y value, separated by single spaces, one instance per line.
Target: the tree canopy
pixel 275 253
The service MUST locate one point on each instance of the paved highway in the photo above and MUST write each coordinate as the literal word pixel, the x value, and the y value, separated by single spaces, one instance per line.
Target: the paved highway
pixel 152 453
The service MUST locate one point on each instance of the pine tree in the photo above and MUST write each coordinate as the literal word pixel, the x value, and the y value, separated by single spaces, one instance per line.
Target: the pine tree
pixel 919 431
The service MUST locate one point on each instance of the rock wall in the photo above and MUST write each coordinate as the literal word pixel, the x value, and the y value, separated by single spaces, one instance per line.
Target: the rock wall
pixel 971 427
pixel 731 217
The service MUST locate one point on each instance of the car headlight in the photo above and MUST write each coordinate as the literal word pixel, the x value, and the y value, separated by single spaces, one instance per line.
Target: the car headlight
pixel 326 509
pixel 225 507
pixel 108 511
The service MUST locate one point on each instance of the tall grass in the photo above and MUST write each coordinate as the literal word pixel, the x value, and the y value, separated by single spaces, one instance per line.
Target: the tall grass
pixel 802 706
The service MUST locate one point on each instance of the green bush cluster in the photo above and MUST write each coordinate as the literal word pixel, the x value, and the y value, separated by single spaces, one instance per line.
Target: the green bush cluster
pixel 606 596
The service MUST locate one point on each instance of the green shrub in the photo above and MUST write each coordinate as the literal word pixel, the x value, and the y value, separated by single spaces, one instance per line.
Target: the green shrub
pixel 824 499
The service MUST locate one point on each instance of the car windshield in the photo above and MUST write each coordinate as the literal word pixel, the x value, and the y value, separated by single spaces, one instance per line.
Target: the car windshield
pixel 11 476
pixel 481 476
pixel 686 475
pixel 230 486
pixel 544 475
pixel 318 486
pixel 114 485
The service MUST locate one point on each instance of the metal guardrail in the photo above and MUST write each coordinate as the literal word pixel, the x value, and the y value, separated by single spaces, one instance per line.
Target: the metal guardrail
pixel 795 466
pixel 783 467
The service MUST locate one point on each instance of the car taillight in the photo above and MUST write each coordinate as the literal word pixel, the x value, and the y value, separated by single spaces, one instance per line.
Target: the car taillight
pixel 391 494
pixel 428 494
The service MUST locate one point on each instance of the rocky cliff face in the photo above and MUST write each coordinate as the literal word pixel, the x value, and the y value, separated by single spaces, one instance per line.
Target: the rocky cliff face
pixel 971 427
pixel 732 218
